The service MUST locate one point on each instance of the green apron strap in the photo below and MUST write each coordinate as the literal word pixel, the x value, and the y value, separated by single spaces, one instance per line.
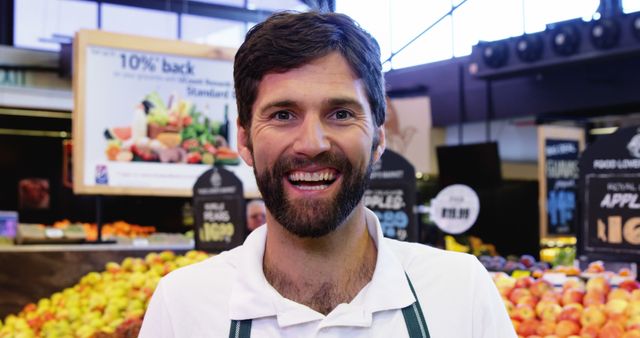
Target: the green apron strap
pixel 240 329
pixel 414 318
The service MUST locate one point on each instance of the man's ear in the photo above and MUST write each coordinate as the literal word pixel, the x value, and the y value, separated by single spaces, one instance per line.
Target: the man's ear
pixel 382 143
pixel 244 144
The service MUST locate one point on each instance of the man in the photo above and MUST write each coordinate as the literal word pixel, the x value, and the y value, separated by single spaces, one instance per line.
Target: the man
pixel 256 214
pixel 311 105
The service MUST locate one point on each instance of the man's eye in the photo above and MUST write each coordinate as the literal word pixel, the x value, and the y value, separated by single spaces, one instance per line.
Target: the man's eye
pixel 282 115
pixel 342 114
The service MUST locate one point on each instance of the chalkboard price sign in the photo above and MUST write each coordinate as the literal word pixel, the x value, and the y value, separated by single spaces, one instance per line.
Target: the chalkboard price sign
pixel 561 172
pixel 392 196
pixel 219 211
pixel 610 186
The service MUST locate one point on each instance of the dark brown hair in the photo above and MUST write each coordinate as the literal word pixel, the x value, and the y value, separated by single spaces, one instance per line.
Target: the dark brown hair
pixel 289 40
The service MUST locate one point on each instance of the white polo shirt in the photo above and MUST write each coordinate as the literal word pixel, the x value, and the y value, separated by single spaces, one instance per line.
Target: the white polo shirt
pixel 456 294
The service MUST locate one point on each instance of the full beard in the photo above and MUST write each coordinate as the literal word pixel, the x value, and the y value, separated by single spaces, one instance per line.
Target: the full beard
pixel 312 218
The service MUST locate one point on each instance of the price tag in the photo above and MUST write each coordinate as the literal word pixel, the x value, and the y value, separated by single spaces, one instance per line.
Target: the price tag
pixel 455 209
pixel 140 242
pixel 53 233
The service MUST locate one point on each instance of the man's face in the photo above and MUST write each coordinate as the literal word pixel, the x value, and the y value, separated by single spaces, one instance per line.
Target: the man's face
pixel 312 142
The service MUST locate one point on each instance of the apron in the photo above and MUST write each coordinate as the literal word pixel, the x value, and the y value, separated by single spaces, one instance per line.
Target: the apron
pixel 413 318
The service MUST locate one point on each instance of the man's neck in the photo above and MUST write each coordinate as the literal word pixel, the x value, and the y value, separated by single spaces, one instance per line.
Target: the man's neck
pixel 321 272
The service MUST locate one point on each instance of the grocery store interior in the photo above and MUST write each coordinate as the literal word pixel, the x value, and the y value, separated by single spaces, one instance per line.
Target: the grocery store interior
pixel 513 125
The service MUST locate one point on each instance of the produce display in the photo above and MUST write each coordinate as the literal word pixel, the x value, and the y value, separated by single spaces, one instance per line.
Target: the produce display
pixel 172 133
pixel 103 304
pixel 82 231
pixel 112 303
pixel 591 309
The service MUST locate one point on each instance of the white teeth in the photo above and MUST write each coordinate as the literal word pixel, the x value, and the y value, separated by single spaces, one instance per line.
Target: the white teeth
pixel 312 187
pixel 311 177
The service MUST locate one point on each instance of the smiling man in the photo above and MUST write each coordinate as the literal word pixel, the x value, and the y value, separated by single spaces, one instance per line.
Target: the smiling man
pixel 311 106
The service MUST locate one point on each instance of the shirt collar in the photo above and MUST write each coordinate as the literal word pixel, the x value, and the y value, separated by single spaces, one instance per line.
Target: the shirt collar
pixel 253 297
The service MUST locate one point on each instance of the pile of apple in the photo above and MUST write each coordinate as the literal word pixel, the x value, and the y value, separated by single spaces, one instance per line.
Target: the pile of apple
pixel 578 310
pixel 103 304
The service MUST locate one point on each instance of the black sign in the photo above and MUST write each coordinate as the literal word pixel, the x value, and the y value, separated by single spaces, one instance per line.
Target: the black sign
pixel 392 196
pixel 610 185
pixel 561 173
pixel 219 210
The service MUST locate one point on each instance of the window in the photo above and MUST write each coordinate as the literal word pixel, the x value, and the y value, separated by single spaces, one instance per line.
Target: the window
pixel 485 20
pixel 216 32
pixel 138 21
pixel 39 23
pixel 539 13
pixel 629 6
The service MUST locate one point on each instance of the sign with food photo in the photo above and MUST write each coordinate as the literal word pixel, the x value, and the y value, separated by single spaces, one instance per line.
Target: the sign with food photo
pixel 151 115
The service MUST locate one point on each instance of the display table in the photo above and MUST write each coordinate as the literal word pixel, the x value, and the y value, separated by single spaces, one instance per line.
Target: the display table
pixel 31 272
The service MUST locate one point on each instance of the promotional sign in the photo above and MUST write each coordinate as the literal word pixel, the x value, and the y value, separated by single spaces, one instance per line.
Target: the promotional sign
pixel 559 150
pixel 455 209
pixel 407 129
pixel 218 205
pixel 150 115
pixel 610 187
pixel 561 168
pixel 392 196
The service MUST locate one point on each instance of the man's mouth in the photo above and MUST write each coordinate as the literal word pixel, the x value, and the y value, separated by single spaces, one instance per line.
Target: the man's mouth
pixel 316 180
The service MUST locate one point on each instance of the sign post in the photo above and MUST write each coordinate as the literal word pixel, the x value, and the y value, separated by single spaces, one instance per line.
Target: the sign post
pixel 219 210
pixel 392 196
pixel 610 192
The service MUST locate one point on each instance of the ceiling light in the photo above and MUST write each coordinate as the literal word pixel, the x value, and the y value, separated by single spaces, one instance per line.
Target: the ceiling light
pixel 495 54
pixel 529 48
pixel 605 33
pixel 565 40
pixel 635 26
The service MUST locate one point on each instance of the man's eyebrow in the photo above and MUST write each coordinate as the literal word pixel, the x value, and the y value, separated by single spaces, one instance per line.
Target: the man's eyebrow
pixel 278 104
pixel 345 101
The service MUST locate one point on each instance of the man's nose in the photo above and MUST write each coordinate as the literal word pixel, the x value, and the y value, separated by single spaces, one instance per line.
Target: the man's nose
pixel 311 138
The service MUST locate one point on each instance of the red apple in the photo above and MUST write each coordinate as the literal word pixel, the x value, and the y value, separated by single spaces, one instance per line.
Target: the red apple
pixel 594 298
pixel 598 283
pixel 528 300
pixel 616 307
pixel 523 313
pixel 633 323
pixel 546 328
pixel 570 296
pixel 611 330
pixel 518 293
pixel 573 283
pixel 590 331
pixel 571 312
pixel 619 294
pixel 509 306
pixel 593 316
pixel 539 287
pixel 566 328
pixel 551 296
pixel 524 282
pixel 550 313
pixel 528 327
